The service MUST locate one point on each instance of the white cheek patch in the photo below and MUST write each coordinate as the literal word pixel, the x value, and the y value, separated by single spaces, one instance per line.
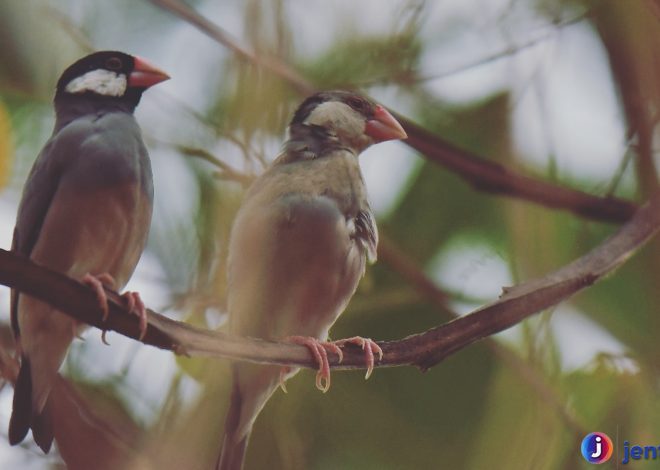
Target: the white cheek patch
pixel 342 120
pixel 100 81
pixel 336 114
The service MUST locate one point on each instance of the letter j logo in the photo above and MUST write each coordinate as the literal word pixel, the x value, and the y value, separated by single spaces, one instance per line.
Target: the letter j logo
pixel 597 447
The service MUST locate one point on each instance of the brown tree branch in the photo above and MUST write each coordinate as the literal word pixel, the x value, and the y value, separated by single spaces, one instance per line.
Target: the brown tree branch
pixel 635 70
pixel 482 174
pixel 492 177
pixel 422 350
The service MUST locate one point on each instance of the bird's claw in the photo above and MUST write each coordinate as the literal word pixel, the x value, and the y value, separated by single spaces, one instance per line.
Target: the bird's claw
pixel 133 301
pixel 98 284
pixel 369 347
pixel 319 350
pixel 103 340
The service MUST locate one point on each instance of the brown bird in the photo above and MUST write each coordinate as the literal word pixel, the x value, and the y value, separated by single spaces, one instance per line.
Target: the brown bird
pixel 299 246
pixel 85 212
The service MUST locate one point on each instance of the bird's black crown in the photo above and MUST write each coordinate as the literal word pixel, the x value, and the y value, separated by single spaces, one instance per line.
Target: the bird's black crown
pixel 113 61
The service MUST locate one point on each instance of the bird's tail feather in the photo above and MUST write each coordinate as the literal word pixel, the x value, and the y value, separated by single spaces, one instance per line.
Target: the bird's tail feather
pixel 42 429
pixel 23 416
pixel 253 385
pixel 233 454
pixel 233 448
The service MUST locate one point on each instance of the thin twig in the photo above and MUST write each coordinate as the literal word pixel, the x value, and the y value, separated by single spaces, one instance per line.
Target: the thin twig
pixel 70 27
pixel 227 172
pixel 270 63
pixel 490 58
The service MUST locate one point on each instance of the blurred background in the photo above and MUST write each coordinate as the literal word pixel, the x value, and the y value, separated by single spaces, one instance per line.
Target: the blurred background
pixel 565 91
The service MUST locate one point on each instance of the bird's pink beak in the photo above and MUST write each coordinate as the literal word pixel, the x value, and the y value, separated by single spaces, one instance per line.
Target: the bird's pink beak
pixel 145 75
pixel 384 127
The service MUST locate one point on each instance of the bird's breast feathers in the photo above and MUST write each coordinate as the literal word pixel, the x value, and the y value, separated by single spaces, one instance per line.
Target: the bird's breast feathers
pixel 102 151
pixel 336 176
pixel 101 204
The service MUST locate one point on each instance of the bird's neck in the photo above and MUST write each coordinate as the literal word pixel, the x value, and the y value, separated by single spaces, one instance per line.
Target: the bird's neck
pixel 70 107
pixel 308 142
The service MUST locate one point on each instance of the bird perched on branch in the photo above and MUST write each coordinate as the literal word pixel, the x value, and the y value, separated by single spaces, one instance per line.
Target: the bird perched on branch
pixel 298 248
pixel 86 211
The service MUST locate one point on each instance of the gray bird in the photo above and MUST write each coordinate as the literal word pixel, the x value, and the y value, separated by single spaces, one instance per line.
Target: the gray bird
pixel 298 249
pixel 85 211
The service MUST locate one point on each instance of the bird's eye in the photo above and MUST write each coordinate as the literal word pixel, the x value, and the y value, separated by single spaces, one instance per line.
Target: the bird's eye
pixel 113 63
pixel 357 104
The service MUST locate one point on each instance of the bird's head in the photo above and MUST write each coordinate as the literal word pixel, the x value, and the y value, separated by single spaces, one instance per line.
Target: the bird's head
pixel 353 120
pixel 109 75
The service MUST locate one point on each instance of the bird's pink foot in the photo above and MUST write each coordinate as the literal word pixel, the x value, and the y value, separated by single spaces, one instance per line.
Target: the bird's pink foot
pixel 133 301
pixel 369 347
pixel 319 350
pixel 136 305
pixel 98 284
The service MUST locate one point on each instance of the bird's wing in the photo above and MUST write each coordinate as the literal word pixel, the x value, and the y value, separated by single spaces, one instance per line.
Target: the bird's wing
pixel 65 160
pixel 367 232
pixel 86 207
pixel 38 194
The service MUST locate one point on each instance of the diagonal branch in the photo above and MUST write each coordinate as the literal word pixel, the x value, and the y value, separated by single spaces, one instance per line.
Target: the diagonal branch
pixel 215 32
pixel 492 177
pixel 481 174
pixel 422 350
